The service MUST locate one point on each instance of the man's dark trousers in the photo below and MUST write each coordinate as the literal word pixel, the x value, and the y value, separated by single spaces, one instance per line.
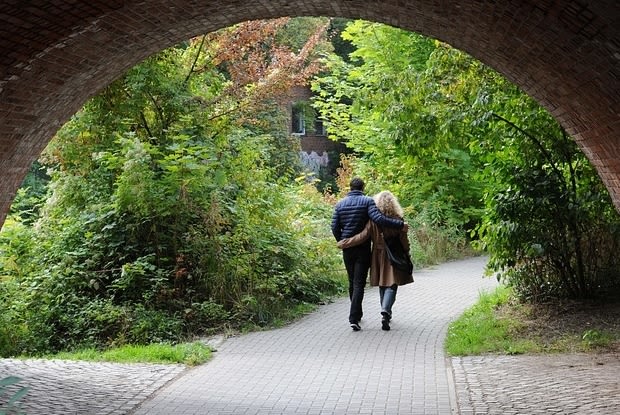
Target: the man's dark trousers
pixel 357 263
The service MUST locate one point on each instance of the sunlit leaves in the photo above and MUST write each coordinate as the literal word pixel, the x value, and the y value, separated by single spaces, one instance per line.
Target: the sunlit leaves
pixel 171 205
pixel 401 104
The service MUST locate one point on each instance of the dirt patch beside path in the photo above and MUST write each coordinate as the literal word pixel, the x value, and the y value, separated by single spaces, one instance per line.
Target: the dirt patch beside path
pixel 591 326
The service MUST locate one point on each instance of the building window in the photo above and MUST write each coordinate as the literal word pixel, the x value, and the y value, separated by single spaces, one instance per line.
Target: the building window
pixel 319 127
pixel 298 125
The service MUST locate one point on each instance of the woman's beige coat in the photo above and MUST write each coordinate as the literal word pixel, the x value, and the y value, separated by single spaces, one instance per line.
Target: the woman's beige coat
pixel 382 273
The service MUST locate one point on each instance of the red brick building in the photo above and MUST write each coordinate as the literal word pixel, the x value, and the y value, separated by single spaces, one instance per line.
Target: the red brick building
pixel 317 150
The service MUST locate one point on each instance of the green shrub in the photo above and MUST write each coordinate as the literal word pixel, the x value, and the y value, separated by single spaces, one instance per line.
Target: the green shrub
pixel 205 317
pixel 165 218
pixel 154 326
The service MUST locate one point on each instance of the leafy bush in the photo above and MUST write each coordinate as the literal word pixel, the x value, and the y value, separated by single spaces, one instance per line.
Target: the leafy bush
pixel 206 314
pixel 433 242
pixel 153 326
pixel 551 228
pixel 171 210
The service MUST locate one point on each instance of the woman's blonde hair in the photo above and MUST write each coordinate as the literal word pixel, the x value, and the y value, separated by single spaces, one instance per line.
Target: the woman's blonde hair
pixel 388 204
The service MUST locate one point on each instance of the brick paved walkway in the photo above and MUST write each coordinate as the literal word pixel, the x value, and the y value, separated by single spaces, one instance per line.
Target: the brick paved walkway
pixel 547 384
pixel 319 366
pixel 57 387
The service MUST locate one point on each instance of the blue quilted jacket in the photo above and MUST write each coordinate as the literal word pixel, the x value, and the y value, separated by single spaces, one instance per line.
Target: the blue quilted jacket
pixel 352 213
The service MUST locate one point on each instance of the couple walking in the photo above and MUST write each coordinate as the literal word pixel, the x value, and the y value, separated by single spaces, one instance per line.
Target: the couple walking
pixel 359 224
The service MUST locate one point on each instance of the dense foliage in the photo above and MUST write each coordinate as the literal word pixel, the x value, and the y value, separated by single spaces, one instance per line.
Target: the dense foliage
pixel 173 208
pixel 550 225
pixel 390 101
pixel 470 155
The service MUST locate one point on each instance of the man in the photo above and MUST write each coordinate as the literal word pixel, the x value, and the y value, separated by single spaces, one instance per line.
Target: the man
pixel 349 218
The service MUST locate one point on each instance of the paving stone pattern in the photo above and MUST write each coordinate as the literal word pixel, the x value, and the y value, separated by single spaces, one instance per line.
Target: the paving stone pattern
pixel 318 365
pixel 546 384
pixel 57 387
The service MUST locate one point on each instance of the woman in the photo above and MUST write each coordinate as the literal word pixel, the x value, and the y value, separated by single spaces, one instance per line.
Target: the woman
pixel 382 273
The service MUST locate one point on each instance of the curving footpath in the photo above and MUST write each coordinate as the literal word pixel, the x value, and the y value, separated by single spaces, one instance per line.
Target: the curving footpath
pixel 318 365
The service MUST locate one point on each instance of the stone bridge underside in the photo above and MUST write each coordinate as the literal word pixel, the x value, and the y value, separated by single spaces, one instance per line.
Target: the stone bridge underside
pixel 54 55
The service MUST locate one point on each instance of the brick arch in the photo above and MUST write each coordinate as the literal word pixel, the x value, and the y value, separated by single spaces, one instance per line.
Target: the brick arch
pixel 54 56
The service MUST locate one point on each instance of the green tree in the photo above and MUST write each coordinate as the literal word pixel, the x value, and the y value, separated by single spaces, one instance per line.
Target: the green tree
pixel 550 225
pixel 446 133
pixel 172 210
pixel 388 105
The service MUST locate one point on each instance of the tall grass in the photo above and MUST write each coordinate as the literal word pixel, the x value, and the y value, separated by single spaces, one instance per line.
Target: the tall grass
pixel 433 245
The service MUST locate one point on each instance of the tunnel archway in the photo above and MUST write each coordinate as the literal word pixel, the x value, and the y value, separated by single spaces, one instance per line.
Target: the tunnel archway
pixel 564 53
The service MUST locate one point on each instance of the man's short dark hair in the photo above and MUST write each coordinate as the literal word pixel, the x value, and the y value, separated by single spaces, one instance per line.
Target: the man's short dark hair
pixel 356 184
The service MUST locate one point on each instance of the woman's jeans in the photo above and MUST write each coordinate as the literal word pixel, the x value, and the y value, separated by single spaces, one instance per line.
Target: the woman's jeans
pixel 387 296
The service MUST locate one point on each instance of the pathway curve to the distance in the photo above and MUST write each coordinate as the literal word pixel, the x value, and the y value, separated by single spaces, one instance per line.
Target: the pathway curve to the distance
pixel 318 365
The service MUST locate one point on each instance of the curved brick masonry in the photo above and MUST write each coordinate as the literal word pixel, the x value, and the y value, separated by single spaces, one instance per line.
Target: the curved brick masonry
pixel 54 55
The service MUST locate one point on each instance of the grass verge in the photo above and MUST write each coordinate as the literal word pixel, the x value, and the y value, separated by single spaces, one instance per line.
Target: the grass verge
pixel 479 330
pixel 499 324
pixel 190 354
